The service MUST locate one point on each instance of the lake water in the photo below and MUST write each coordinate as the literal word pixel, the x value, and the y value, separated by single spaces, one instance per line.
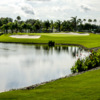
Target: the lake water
pixel 25 65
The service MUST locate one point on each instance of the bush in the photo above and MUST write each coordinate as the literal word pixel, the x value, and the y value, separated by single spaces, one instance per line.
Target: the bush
pixel 51 43
pixel 88 63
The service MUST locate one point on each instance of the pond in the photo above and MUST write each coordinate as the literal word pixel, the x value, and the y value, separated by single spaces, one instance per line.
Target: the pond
pixel 24 65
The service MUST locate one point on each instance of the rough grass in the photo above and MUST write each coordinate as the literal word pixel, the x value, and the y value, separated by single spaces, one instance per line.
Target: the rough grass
pixel 90 41
pixel 81 87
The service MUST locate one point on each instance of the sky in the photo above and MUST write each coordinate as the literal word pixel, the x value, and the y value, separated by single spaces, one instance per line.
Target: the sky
pixel 50 9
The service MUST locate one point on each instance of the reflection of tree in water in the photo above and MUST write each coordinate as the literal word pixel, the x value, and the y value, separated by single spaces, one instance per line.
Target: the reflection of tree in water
pixel 71 49
pixel 80 49
pixel 58 49
pixel 65 49
pixel 51 49
pixel 37 47
pixel 74 52
pixel 77 51
pixel 46 49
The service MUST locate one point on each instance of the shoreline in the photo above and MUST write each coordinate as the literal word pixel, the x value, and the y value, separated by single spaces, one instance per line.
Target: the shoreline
pixel 66 44
pixel 43 83
pixel 67 76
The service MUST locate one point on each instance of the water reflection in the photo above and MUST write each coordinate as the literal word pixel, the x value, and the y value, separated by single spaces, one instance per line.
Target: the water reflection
pixel 37 47
pixel 24 65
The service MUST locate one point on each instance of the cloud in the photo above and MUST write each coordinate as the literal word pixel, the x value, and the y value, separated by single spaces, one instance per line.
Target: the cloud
pixel 85 8
pixel 27 10
pixel 50 9
pixel 23 9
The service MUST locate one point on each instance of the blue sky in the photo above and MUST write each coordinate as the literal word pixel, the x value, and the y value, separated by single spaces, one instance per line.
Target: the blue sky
pixel 50 9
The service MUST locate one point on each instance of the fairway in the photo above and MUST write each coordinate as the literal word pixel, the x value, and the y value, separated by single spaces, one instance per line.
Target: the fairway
pixel 90 41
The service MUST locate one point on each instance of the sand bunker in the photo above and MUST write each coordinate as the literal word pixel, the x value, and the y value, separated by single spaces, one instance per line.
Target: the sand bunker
pixel 25 36
pixel 72 33
pixel 77 33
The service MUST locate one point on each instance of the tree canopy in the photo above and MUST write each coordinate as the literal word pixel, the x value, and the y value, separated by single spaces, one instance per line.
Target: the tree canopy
pixel 7 25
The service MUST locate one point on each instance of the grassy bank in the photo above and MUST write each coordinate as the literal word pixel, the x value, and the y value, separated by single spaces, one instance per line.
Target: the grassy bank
pixel 88 41
pixel 81 87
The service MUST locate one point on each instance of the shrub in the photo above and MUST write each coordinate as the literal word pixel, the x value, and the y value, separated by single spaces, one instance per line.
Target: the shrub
pixel 51 43
pixel 92 61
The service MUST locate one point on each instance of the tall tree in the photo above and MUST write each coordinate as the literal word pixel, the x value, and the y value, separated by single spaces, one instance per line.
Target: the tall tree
pixel 37 26
pixel 30 21
pixel 46 24
pixel 84 20
pixel 52 25
pixel 18 18
pixel 16 26
pixel 79 24
pixel 79 21
pixel 87 26
pixel 90 20
pixel 5 28
pixel 11 26
pixel 0 23
pixel 57 25
pixel 95 21
pixel 74 22
pixel 64 26
pixel 24 26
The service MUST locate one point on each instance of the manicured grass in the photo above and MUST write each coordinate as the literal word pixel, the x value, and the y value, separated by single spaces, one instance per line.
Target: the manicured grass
pixel 90 41
pixel 81 87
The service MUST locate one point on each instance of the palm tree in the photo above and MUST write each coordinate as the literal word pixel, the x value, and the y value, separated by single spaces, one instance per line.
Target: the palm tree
pixel 80 25
pixel 90 20
pixel 18 21
pixel 24 26
pixel 16 26
pixel 95 21
pixel 64 26
pixel 74 22
pixel 5 20
pixel 57 25
pixel 11 26
pixel 84 20
pixel 79 21
pixel 4 27
pixel 37 26
pixel 46 24
pixel 52 25
pixel 18 18
pixel 1 23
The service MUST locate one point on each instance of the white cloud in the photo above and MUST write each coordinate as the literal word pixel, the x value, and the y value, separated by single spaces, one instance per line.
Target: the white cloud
pixel 85 8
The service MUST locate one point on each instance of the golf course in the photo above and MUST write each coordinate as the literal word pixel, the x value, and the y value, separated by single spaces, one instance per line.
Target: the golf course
pixel 50 50
pixel 85 86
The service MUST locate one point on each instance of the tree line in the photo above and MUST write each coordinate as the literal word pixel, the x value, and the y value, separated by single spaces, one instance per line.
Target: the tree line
pixel 7 25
